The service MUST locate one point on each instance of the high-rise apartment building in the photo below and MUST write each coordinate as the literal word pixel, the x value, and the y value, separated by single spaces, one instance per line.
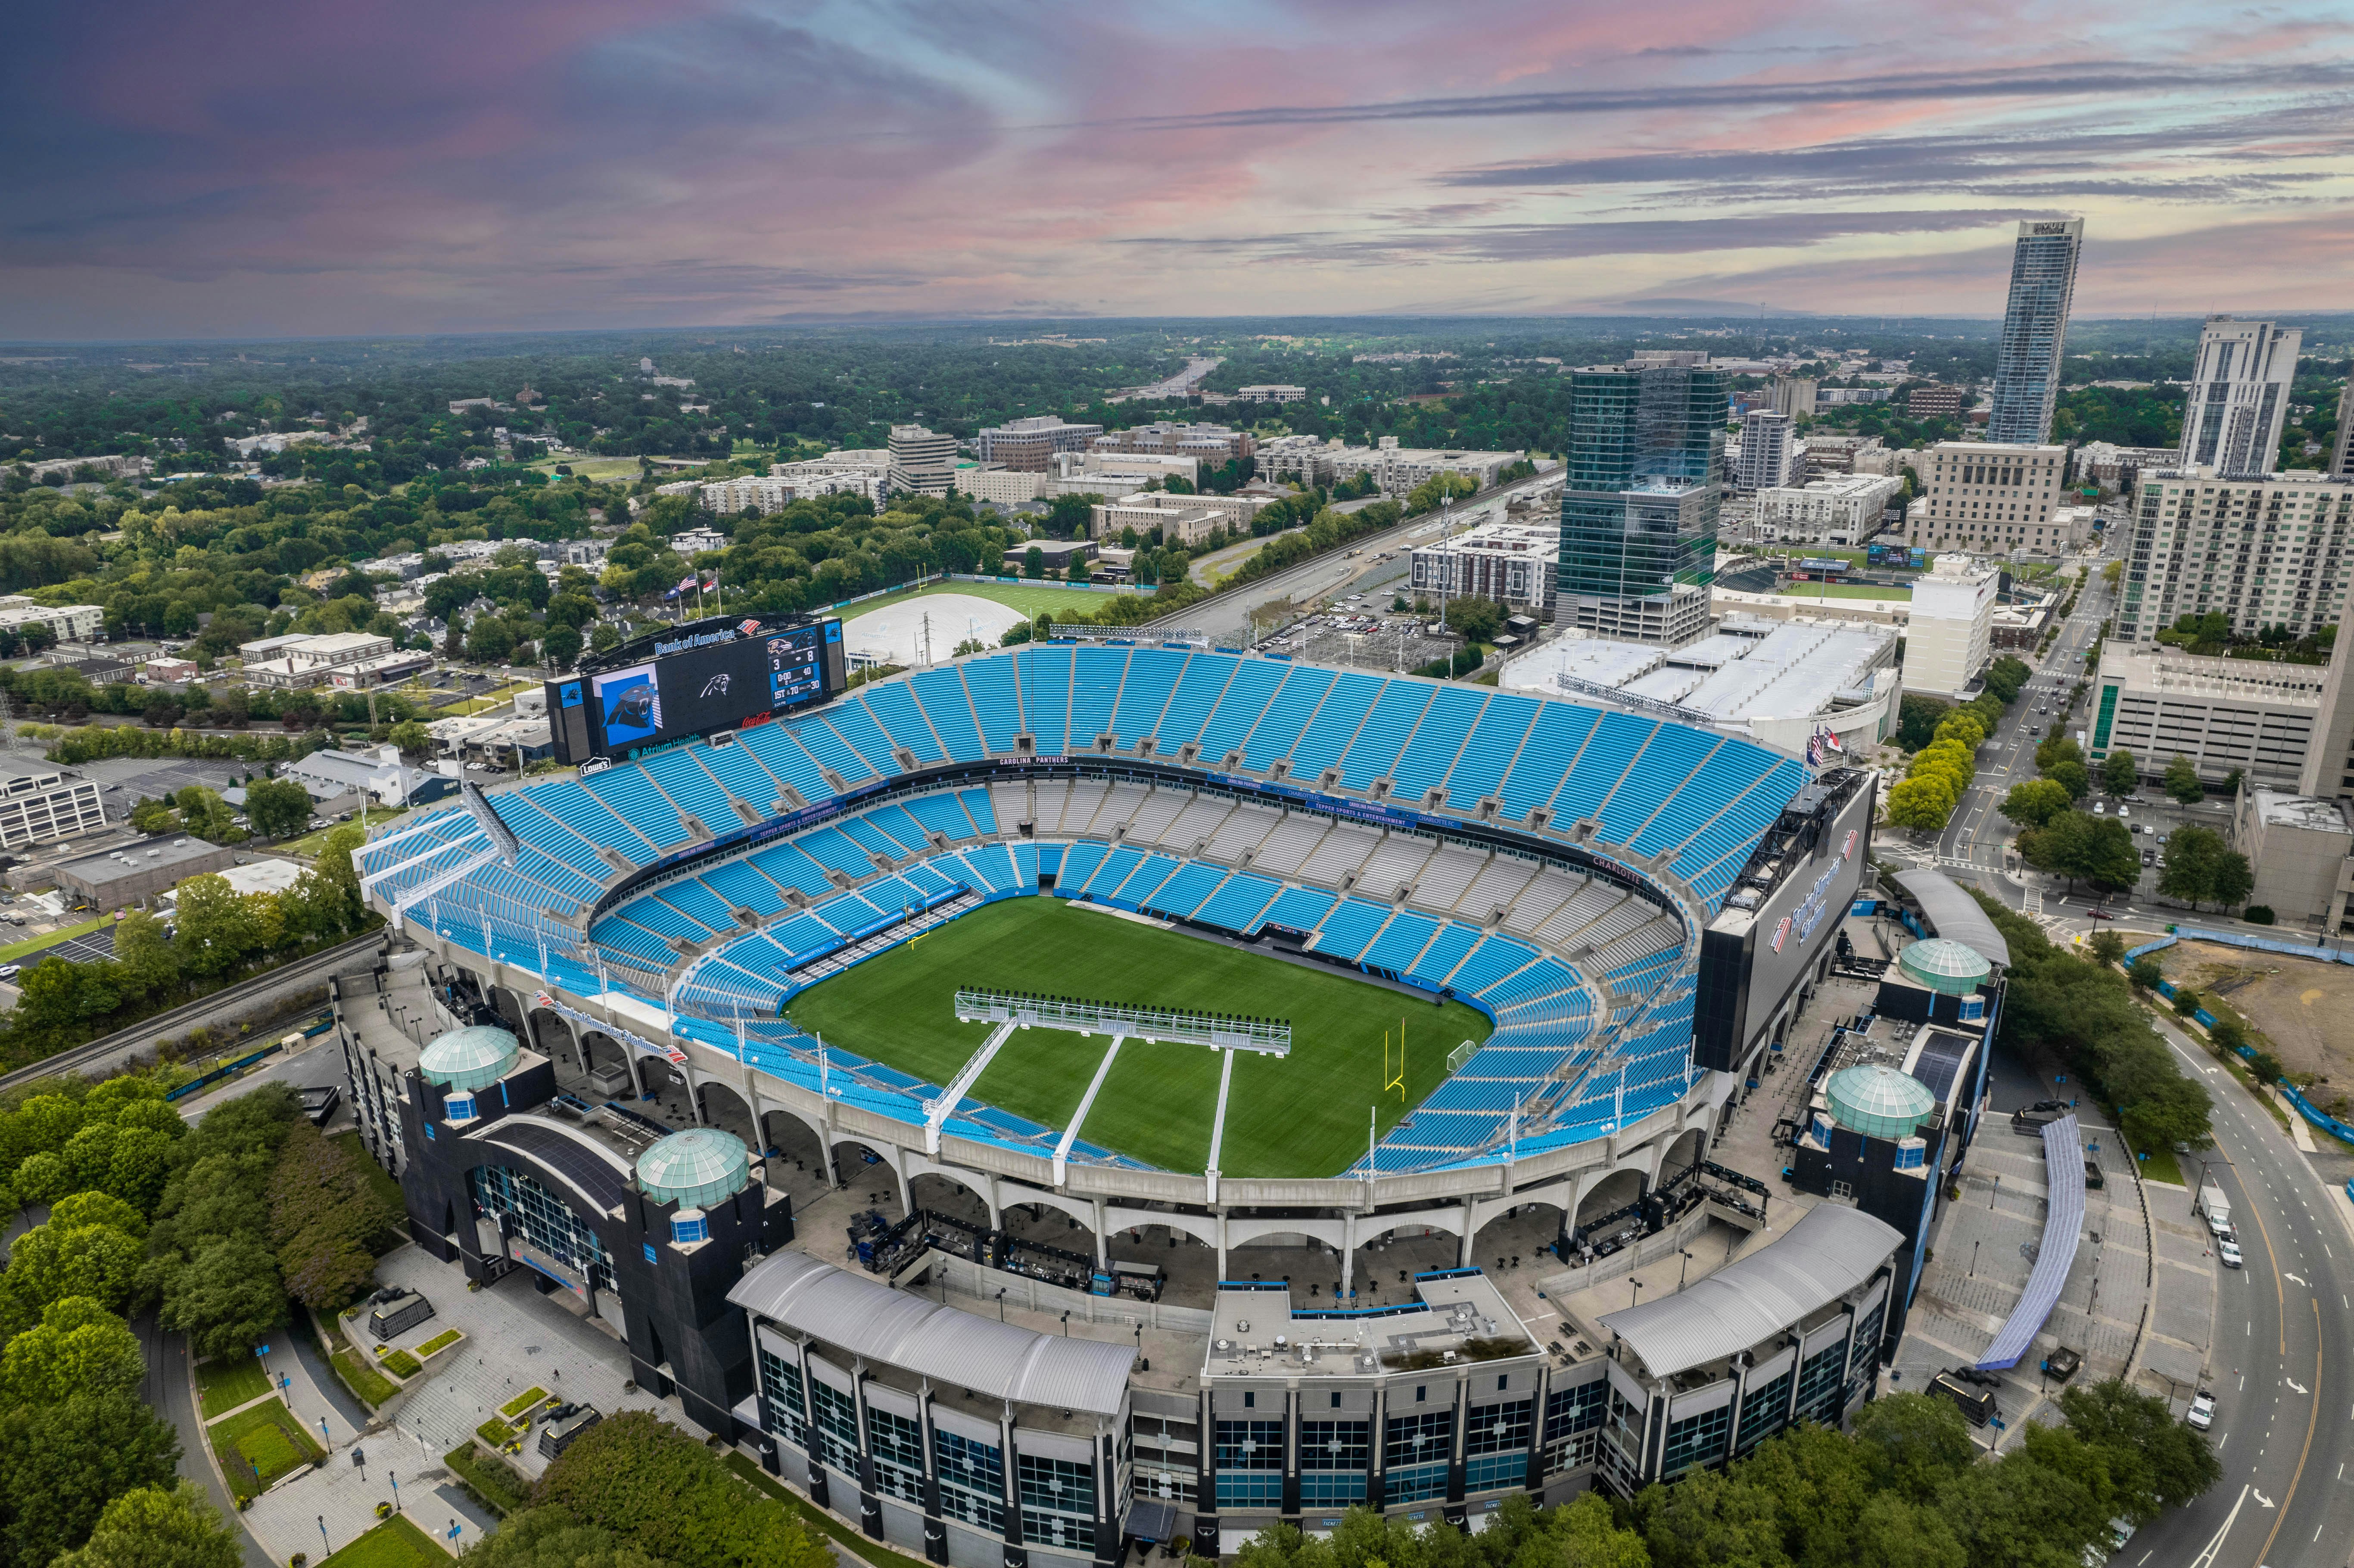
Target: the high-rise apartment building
pixel 2341 455
pixel 2276 551
pixel 2034 331
pixel 2238 405
pixel 1028 446
pixel 922 460
pixel 1639 503
pixel 1795 395
pixel 1771 455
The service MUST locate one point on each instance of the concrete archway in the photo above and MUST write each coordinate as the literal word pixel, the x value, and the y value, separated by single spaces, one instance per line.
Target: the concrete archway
pixel 724 1108
pixel 1683 1151
pixel 794 1139
pixel 946 1192
pixel 1610 1193
pixel 550 1035
pixel 601 1054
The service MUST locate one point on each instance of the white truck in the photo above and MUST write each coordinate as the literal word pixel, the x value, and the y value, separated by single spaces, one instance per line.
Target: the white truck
pixel 2216 1208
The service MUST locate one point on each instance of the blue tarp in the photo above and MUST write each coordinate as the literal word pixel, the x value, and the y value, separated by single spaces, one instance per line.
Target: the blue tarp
pixel 2063 1227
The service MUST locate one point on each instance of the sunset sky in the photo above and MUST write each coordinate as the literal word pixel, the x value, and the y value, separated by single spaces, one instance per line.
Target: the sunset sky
pixel 265 167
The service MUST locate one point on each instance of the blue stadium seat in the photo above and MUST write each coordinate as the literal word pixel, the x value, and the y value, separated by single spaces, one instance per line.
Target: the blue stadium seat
pixel 1543 762
pixel 942 694
pixel 1339 713
pixel 1095 691
pixel 940 814
pixel 1350 928
pixel 1603 764
pixel 741 887
pixel 1185 890
pixel 983 815
pixel 1376 750
pixel 1399 943
pixel 1446 950
pixel 1300 909
pixel 1047 696
pixel 855 722
pixel 831 751
pixel 1151 674
pixel 1675 752
pixel 1438 741
pixel 1238 901
pixel 778 750
pixel 741 774
pixel 679 777
pixel 893 707
pixel 996 700
pixel 1277 734
pixel 1243 705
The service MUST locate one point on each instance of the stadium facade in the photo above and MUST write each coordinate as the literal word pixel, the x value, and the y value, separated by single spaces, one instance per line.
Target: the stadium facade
pixel 1589 880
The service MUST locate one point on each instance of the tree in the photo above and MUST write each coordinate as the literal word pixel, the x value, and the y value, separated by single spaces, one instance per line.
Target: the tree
pixel 152 816
pixel 325 1220
pixel 62 1464
pixel 2111 861
pixel 2232 880
pixel 412 737
pixel 1475 619
pixel 551 1538
pixel 278 808
pixel 2182 782
pixel 2145 974
pixel 2034 802
pixel 2155 1461
pixel 152 1527
pixel 2054 749
pixel 1922 805
pixel 2070 775
pixel 2118 775
pixel 561 646
pixel 1914 1444
pixel 1034 562
pixel 219 928
pixel 207 816
pixel 655 1488
pixel 2190 866
pixel 1918 718
pixel 2107 947
pixel 51 1262
pixel 78 1348
pixel 1961 727
pixel 226 1297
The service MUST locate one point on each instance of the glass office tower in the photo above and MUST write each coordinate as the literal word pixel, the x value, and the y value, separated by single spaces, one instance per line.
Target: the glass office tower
pixel 2034 331
pixel 1639 503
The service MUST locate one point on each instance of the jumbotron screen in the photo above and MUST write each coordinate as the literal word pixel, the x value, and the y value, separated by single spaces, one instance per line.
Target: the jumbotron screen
pixel 692 679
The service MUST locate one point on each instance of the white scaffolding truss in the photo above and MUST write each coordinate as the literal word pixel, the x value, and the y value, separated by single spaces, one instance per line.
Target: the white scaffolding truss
pixel 1269 1036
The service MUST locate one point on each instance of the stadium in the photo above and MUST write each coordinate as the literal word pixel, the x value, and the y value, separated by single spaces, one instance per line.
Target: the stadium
pixel 1478 914
pixel 1140 977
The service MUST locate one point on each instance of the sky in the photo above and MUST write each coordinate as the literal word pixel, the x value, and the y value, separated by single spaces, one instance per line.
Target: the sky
pixel 265 168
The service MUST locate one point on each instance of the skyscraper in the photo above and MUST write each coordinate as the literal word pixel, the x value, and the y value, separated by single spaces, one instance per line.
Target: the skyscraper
pixel 1639 501
pixel 2238 405
pixel 2341 455
pixel 2034 330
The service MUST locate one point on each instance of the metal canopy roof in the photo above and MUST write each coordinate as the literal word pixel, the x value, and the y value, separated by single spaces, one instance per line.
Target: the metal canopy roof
pixel 1830 1251
pixel 949 1346
pixel 1954 914
pixel 2063 1227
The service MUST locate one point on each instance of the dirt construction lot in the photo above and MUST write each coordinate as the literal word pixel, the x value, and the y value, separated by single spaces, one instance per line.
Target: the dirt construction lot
pixel 2304 1005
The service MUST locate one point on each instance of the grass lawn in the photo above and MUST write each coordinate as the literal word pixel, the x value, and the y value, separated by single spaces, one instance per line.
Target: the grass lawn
pixel 439 1342
pixel 494 1481
pixel 309 844
pixel 228 1382
pixel 1295 1116
pixel 371 1385
pixel 395 1543
pixel 261 1444
pixel 2161 1166
pixel 1030 598
pixel 15 950
pixel 523 1402
pixel 400 1364
pixel 1841 590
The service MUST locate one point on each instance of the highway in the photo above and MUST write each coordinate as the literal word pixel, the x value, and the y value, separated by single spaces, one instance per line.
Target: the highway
pixel 1226 616
pixel 2281 1360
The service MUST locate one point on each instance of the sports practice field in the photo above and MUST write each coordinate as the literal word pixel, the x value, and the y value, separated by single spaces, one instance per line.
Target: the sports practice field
pixel 1300 1115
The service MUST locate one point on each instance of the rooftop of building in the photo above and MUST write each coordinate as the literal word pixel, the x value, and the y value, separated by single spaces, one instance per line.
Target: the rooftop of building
pixel 2154 666
pixel 2309 812
pixel 1751 668
pixel 112 865
pixel 1456 1315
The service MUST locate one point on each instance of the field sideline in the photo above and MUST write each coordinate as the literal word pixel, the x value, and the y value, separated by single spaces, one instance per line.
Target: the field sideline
pixel 1303 1114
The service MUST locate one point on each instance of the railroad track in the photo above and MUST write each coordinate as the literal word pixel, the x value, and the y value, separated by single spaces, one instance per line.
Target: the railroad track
pixel 190 1015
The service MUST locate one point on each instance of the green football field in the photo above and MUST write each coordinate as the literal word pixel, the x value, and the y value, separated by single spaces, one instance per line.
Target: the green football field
pixel 1299 1115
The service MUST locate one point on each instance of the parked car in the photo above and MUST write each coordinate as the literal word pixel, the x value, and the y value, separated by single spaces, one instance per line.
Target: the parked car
pixel 2229 1250
pixel 2202 1411
pixel 8 971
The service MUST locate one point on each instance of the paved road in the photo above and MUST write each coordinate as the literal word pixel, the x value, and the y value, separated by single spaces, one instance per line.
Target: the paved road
pixel 1226 618
pixel 167 1393
pixel 2282 1361
pixel 2282 1366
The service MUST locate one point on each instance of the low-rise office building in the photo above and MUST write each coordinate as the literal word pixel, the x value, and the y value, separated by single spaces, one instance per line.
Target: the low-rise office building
pixel 379 775
pixel 119 878
pixel 1988 496
pixel 922 460
pixel 2253 716
pixel 301 659
pixel 66 622
pixel 1270 392
pixel 1843 510
pixel 1147 510
pixel 2301 849
pixel 1028 446
pixel 40 806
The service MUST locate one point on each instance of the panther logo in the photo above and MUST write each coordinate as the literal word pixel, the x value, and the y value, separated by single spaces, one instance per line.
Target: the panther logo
pixel 714 687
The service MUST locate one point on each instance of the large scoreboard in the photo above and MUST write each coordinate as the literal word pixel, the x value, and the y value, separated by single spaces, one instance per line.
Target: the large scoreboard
pixel 696 679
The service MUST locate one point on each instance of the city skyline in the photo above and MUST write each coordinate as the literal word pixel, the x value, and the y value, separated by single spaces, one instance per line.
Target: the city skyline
pixel 281 171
